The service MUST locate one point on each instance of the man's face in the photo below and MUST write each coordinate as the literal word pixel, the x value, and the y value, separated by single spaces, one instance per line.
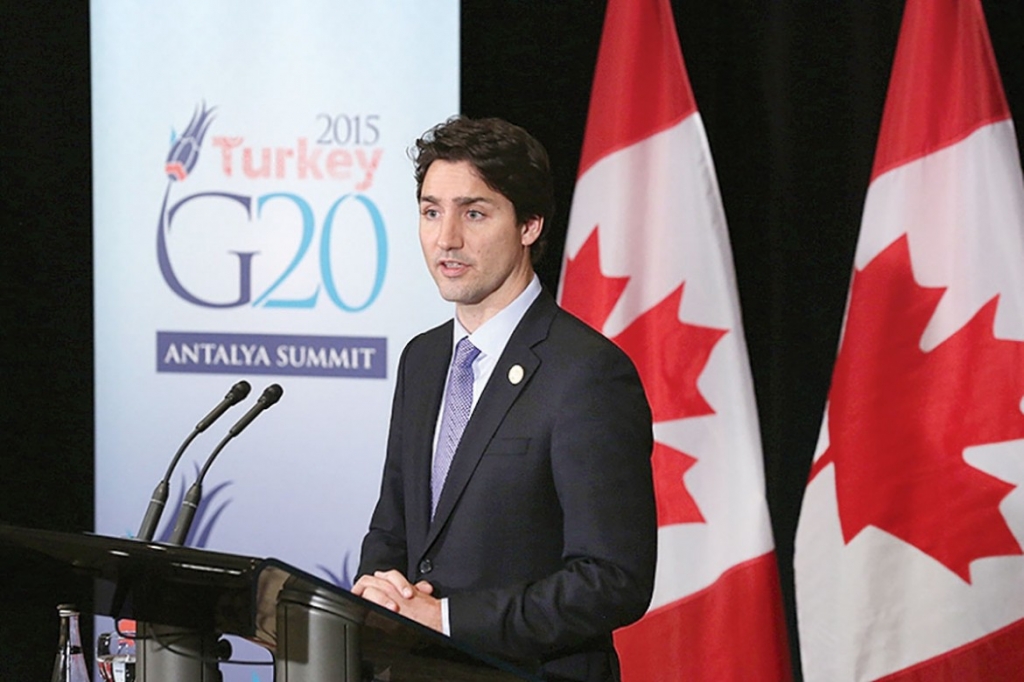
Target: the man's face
pixel 476 252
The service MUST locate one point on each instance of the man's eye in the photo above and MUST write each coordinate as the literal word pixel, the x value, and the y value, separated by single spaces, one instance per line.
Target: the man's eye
pixel 429 212
pixel 474 215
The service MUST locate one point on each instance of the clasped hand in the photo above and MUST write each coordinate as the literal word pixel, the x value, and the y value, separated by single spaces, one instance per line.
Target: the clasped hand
pixel 394 592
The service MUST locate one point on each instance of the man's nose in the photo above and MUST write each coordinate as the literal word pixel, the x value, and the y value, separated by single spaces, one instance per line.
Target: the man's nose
pixel 450 235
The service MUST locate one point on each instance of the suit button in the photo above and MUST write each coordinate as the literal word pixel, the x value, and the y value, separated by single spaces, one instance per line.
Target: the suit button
pixel 426 566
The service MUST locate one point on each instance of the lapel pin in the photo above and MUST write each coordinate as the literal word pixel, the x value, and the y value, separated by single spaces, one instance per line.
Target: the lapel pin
pixel 515 374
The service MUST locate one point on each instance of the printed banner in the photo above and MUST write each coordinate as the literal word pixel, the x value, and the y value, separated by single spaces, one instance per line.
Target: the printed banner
pixel 255 218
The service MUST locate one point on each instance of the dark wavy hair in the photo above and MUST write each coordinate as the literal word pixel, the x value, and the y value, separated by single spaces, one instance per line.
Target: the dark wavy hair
pixel 505 156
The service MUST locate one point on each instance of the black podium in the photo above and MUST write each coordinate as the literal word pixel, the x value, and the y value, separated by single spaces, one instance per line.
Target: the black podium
pixel 184 600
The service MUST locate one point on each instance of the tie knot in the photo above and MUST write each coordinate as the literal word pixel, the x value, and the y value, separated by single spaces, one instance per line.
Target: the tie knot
pixel 465 353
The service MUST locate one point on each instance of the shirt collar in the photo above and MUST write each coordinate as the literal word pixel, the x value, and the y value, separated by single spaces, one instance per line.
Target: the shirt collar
pixel 492 336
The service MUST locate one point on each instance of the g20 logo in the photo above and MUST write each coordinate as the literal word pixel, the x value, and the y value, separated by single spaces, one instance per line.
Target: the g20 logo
pixel 182 159
pixel 266 298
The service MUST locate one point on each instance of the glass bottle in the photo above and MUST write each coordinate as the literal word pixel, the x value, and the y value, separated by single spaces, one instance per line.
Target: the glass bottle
pixel 105 657
pixel 124 659
pixel 70 663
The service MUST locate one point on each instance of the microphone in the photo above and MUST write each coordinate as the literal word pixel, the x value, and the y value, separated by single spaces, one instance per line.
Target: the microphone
pixel 271 394
pixel 189 505
pixel 237 394
pixel 157 501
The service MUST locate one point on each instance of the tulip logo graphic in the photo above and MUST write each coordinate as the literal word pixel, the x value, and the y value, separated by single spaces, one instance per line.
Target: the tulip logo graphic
pixel 185 150
pixel 181 161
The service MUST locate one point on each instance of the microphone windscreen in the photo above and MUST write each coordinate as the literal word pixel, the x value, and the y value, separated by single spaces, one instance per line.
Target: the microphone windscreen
pixel 271 395
pixel 238 392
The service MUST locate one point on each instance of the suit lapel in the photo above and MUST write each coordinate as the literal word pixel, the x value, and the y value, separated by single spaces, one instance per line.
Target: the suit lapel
pixel 426 379
pixel 497 398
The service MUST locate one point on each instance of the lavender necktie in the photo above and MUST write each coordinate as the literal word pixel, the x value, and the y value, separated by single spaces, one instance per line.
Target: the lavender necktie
pixel 458 398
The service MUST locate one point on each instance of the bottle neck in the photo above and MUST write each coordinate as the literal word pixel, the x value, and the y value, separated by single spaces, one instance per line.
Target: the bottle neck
pixel 74 636
pixel 70 635
pixel 70 665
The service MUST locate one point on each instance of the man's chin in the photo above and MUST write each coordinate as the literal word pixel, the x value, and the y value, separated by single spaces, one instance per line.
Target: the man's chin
pixel 450 294
pixel 457 295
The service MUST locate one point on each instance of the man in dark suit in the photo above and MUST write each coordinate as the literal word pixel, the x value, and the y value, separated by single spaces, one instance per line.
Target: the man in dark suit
pixel 526 528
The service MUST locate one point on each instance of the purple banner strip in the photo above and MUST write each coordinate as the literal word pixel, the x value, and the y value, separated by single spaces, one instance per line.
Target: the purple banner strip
pixel 359 357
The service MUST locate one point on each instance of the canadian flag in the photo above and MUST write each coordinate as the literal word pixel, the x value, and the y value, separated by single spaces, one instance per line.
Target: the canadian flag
pixel 648 263
pixel 908 551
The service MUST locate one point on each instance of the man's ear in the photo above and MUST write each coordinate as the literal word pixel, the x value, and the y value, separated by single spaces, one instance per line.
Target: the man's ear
pixel 531 230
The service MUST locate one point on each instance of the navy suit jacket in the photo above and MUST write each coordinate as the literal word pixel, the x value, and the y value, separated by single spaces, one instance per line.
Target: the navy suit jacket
pixel 544 539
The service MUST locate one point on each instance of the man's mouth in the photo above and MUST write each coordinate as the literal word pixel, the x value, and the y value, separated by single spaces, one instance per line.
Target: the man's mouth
pixel 451 267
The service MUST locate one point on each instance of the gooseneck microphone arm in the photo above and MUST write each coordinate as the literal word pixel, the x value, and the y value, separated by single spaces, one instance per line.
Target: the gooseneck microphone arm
pixel 158 499
pixel 190 503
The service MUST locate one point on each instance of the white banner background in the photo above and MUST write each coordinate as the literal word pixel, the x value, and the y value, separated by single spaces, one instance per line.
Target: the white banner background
pixel 288 84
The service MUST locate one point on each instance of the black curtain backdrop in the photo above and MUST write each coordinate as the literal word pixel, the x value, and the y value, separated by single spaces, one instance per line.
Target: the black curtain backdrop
pixel 791 95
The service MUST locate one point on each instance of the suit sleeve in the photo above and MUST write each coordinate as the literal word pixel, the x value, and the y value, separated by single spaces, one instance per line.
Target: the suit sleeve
pixel 384 546
pixel 601 443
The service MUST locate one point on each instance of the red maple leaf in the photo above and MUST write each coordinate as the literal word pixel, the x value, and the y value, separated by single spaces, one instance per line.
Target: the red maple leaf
pixel 675 504
pixel 586 292
pixel 670 356
pixel 899 419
